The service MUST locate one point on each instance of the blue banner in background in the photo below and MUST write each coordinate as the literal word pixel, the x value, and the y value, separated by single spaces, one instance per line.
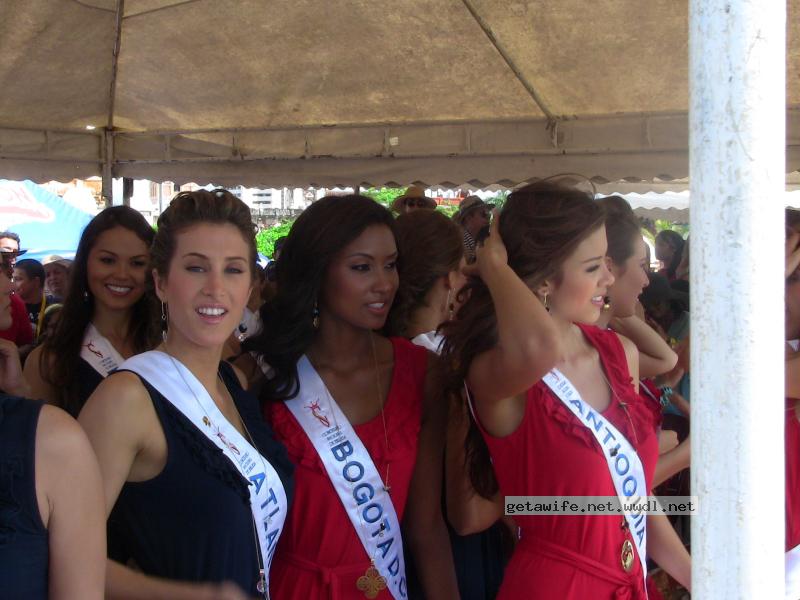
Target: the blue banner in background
pixel 44 222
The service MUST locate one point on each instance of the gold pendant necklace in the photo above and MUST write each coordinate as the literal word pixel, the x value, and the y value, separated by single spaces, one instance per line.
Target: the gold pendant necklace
pixel 371 582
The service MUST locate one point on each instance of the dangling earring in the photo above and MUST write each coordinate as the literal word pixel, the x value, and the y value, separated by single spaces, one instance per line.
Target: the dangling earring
pixel 315 316
pixel 449 305
pixel 546 303
pixel 85 296
pixel 606 302
pixel 164 322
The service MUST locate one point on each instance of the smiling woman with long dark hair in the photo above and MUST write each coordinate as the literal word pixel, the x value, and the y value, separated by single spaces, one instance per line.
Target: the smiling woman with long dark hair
pixel 108 314
pixel 356 411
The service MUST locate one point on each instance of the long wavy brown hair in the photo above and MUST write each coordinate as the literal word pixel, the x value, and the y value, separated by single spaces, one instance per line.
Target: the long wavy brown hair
pixel 541 225
pixel 430 246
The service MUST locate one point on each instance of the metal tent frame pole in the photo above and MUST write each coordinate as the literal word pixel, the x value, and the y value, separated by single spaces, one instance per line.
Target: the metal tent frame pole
pixel 737 159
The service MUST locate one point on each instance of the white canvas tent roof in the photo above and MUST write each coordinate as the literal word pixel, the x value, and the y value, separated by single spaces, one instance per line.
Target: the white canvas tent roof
pixel 304 92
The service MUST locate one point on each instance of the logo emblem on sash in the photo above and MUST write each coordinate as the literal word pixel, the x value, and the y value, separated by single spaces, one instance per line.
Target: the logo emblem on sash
pixel 90 347
pixel 626 556
pixel 315 409
pixel 371 582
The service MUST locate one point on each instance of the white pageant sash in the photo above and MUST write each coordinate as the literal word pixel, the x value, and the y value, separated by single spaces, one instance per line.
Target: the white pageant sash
pixel 353 475
pixel 793 574
pixel 431 340
pixel 268 501
pixel 624 465
pixel 98 352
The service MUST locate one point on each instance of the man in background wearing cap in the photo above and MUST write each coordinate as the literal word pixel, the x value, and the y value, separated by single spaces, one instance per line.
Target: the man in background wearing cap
pixel 412 199
pixel 472 215
pixel 9 242
pixel 56 270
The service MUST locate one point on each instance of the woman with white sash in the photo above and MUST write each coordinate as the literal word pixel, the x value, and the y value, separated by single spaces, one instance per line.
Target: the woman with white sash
pixel 357 413
pixel 792 405
pixel 555 403
pixel 431 277
pixel 198 486
pixel 108 314
pixel 627 260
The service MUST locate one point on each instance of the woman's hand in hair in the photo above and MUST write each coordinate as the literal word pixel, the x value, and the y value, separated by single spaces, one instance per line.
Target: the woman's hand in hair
pixel 491 253
pixel 11 380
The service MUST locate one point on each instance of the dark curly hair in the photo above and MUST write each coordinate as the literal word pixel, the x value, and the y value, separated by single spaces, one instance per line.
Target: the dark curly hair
pixel 430 246
pixel 318 234
pixel 541 225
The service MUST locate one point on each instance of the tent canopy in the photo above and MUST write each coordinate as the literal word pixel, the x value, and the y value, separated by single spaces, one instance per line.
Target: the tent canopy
pixel 302 92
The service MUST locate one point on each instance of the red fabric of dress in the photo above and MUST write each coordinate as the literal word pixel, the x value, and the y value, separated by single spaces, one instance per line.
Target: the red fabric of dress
pixel 572 557
pixel 319 554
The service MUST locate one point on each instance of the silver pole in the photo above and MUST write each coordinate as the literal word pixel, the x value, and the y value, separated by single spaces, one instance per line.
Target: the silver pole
pixel 737 172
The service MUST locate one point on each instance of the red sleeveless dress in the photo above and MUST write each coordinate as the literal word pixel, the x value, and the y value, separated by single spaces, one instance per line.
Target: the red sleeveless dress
pixel 319 554
pixel 792 475
pixel 551 453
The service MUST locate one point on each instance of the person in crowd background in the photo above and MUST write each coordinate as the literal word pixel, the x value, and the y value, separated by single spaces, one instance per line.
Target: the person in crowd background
pixel 519 340
pixel 19 330
pixel 52 539
pixel 57 270
pixel 336 279
pixel 198 486
pixel 108 315
pixel 10 242
pixel 412 199
pixel 29 277
pixel 669 250
pixel 431 263
pixel 472 216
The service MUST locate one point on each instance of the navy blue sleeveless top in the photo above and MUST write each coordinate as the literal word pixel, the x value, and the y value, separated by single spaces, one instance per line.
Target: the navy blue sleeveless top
pixel 192 521
pixel 23 536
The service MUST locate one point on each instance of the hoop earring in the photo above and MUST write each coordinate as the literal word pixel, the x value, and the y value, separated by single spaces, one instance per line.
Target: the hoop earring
pixel 164 326
pixel 315 316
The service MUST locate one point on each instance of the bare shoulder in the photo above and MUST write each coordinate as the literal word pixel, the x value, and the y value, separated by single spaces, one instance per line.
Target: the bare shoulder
pixel 120 399
pixel 58 435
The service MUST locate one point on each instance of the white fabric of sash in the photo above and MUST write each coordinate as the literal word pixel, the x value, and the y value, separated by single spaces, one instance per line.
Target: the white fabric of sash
pixel 431 340
pixel 353 475
pixel 98 352
pixel 268 501
pixel 624 465
pixel 795 344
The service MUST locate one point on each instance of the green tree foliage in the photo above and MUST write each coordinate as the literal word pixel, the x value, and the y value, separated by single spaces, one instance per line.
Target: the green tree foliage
pixel 383 195
pixel 681 228
pixel 265 240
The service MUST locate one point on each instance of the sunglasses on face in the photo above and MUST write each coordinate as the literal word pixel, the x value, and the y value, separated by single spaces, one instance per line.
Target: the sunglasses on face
pixel 411 202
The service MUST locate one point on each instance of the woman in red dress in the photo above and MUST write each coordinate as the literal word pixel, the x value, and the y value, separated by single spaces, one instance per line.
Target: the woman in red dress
pixel 793 405
pixel 336 280
pixel 543 277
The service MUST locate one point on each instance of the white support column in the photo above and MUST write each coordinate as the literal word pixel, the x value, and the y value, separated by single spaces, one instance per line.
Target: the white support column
pixel 737 157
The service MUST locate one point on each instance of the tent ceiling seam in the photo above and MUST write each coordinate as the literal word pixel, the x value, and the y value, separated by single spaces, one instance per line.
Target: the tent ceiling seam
pixel 509 61
pixel 90 6
pixel 160 8
pixel 112 92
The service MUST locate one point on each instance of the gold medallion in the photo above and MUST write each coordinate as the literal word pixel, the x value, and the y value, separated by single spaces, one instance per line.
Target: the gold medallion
pixel 371 582
pixel 626 556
